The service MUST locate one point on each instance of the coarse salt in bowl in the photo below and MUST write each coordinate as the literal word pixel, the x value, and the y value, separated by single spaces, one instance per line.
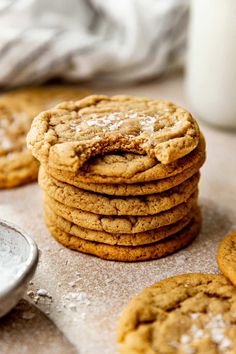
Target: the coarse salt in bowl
pixel 18 260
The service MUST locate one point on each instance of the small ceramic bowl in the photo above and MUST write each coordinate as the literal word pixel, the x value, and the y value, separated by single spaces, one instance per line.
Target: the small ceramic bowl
pixel 20 246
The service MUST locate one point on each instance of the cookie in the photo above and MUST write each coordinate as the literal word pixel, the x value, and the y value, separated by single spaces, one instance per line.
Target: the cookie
pixel 226 257
pixel 121 224
pixel 70 134
pixel 191 313
pixel 41 98
pixel 129 253
pixel 136 188
pixel 17 166
pixel 136 239
pixel 108 205
pixel 117 168
pixel 17 110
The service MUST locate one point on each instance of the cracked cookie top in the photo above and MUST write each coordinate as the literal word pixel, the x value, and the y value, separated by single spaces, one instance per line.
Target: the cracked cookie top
pixel 73 132
pixel 191 313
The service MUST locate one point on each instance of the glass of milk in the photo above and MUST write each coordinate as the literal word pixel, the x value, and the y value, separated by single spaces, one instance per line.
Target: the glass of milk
pixel 211 61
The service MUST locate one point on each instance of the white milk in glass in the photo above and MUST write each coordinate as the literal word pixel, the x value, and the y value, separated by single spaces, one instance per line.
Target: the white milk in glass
pixel 211 61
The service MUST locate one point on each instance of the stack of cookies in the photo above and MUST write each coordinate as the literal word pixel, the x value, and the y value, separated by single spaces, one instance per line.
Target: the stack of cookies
pixel 120 175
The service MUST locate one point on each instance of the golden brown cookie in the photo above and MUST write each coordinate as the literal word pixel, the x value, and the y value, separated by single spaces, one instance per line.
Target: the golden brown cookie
pixel 226 257
pixel 17 110
pixel 70 134
pixel 17 169
pixel 135 239
pixel 17 166
pixel 185 314
pixel 122 168
pixel 132 189
pixel 129 253
pixel 108 205
pixel 121 224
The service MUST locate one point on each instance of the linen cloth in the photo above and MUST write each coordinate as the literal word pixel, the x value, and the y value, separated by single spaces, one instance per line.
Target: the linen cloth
pixel 114 40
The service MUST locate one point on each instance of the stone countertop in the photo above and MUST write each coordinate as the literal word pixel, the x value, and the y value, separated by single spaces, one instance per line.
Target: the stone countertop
pixel 85 294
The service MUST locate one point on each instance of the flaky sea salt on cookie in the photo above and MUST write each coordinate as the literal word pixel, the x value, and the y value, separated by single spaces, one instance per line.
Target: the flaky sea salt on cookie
pixel 73 132
pixel 190 313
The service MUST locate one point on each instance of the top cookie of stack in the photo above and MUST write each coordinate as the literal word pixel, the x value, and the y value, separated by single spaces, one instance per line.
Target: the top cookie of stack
pixel 120 156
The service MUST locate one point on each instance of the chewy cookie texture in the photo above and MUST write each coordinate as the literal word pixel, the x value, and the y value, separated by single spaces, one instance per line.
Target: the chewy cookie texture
pixel 108 205
pixel 122 239
pixel 95 172
pixel 67 136
pixel 128 253
pixel 192 313
pixel 120 175
pixel 124 223
pixel 17 110
pixel 127 188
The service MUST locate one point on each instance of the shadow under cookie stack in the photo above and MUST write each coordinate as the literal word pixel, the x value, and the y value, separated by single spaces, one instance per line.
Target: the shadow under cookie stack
pixel 120 176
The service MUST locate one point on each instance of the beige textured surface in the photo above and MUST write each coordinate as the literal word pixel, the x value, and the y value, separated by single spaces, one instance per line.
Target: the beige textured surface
pixel 35 332
pixel 109 286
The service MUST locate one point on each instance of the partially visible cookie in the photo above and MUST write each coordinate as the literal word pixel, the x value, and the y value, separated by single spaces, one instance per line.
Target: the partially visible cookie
pixel 70 134
pixel 108 205
pixel 121 224
pixel 191 313
pixel 157 186
pixel 226 257
pixel 18 168
pixel 135 239
pixel 129 253
pixel 17 110
pixel 122 167
pixel 17 165
pixel 37 99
